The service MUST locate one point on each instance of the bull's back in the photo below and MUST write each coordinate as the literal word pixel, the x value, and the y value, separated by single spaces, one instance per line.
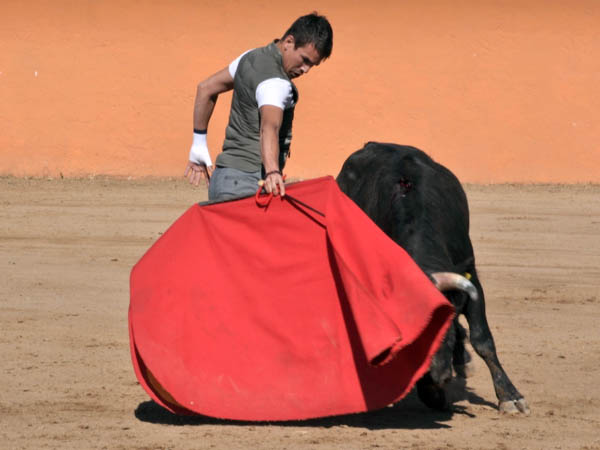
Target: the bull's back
pixel 416 201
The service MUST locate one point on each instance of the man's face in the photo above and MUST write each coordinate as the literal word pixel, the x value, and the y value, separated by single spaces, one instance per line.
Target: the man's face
pixel 298 61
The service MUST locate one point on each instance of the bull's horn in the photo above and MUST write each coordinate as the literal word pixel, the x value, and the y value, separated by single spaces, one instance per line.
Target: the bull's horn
pixel 445 281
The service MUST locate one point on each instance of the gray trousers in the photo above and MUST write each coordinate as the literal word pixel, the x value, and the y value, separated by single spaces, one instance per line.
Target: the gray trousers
pixel 227 183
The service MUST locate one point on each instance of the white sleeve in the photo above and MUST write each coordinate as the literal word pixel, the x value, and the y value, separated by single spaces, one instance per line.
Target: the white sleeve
pixel 276 92
pixel 234 64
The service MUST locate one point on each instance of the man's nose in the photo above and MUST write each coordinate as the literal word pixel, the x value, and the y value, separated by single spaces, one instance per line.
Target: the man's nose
pixel 305 68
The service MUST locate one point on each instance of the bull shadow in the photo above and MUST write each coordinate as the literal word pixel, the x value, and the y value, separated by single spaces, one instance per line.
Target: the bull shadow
pixel 458 391
pixel 408 414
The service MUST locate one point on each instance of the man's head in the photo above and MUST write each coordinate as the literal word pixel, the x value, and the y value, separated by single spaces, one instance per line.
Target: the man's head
pixel 305 44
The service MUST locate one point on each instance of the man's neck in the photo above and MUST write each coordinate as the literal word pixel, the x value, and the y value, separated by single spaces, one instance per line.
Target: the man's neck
pixel 279 44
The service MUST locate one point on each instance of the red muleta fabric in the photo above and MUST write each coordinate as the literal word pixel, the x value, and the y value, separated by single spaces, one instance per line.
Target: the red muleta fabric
pixel 277 313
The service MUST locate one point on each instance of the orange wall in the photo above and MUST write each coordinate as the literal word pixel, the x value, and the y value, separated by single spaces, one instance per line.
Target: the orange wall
pixel 499 91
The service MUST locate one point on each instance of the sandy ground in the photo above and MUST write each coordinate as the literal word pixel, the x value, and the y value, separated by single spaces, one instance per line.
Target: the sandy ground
pixel 66 249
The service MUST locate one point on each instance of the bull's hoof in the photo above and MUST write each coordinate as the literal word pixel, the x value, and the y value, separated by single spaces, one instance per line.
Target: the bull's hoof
pixel 514 407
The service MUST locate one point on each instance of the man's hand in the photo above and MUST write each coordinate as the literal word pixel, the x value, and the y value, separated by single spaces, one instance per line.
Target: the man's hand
pixel 195 172
pixel 274 184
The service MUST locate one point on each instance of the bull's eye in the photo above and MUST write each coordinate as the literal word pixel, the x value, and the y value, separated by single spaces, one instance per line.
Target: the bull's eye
pixel 404 186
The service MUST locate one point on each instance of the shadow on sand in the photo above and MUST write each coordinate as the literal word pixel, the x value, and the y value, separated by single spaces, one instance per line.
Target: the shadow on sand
pixel 408 414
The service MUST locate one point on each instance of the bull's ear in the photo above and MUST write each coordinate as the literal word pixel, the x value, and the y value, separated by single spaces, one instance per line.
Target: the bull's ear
pixel 346 179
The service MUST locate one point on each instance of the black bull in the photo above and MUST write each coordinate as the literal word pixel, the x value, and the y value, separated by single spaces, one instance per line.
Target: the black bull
pixel 421 205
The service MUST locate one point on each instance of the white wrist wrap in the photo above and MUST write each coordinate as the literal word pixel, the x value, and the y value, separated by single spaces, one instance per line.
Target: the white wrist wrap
pixel 199 152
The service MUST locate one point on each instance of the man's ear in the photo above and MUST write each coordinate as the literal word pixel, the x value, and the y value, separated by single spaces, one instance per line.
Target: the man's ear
pixel 289 42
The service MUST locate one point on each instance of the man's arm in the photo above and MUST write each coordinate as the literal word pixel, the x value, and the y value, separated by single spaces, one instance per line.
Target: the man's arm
pixel 207 94
pixel 270 123
pixel 206 97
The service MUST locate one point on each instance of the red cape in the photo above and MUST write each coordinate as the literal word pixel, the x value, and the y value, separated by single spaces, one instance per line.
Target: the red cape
pixel 278 313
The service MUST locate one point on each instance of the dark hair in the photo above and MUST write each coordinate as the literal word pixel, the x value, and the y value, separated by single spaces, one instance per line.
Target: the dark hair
pixel 312 29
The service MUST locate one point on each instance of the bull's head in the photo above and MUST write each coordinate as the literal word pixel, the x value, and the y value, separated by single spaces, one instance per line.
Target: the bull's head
pixel 431 386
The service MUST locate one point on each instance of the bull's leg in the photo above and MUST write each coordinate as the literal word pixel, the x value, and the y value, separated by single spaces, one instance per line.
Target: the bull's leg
pixel 509 399
pixel 461 359
pixel 430 388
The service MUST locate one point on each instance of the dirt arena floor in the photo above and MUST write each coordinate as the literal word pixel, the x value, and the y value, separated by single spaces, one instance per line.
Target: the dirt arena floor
pixel 66 250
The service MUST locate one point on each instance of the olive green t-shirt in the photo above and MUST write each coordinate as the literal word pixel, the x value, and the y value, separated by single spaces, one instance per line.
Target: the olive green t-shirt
pixel 241 148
